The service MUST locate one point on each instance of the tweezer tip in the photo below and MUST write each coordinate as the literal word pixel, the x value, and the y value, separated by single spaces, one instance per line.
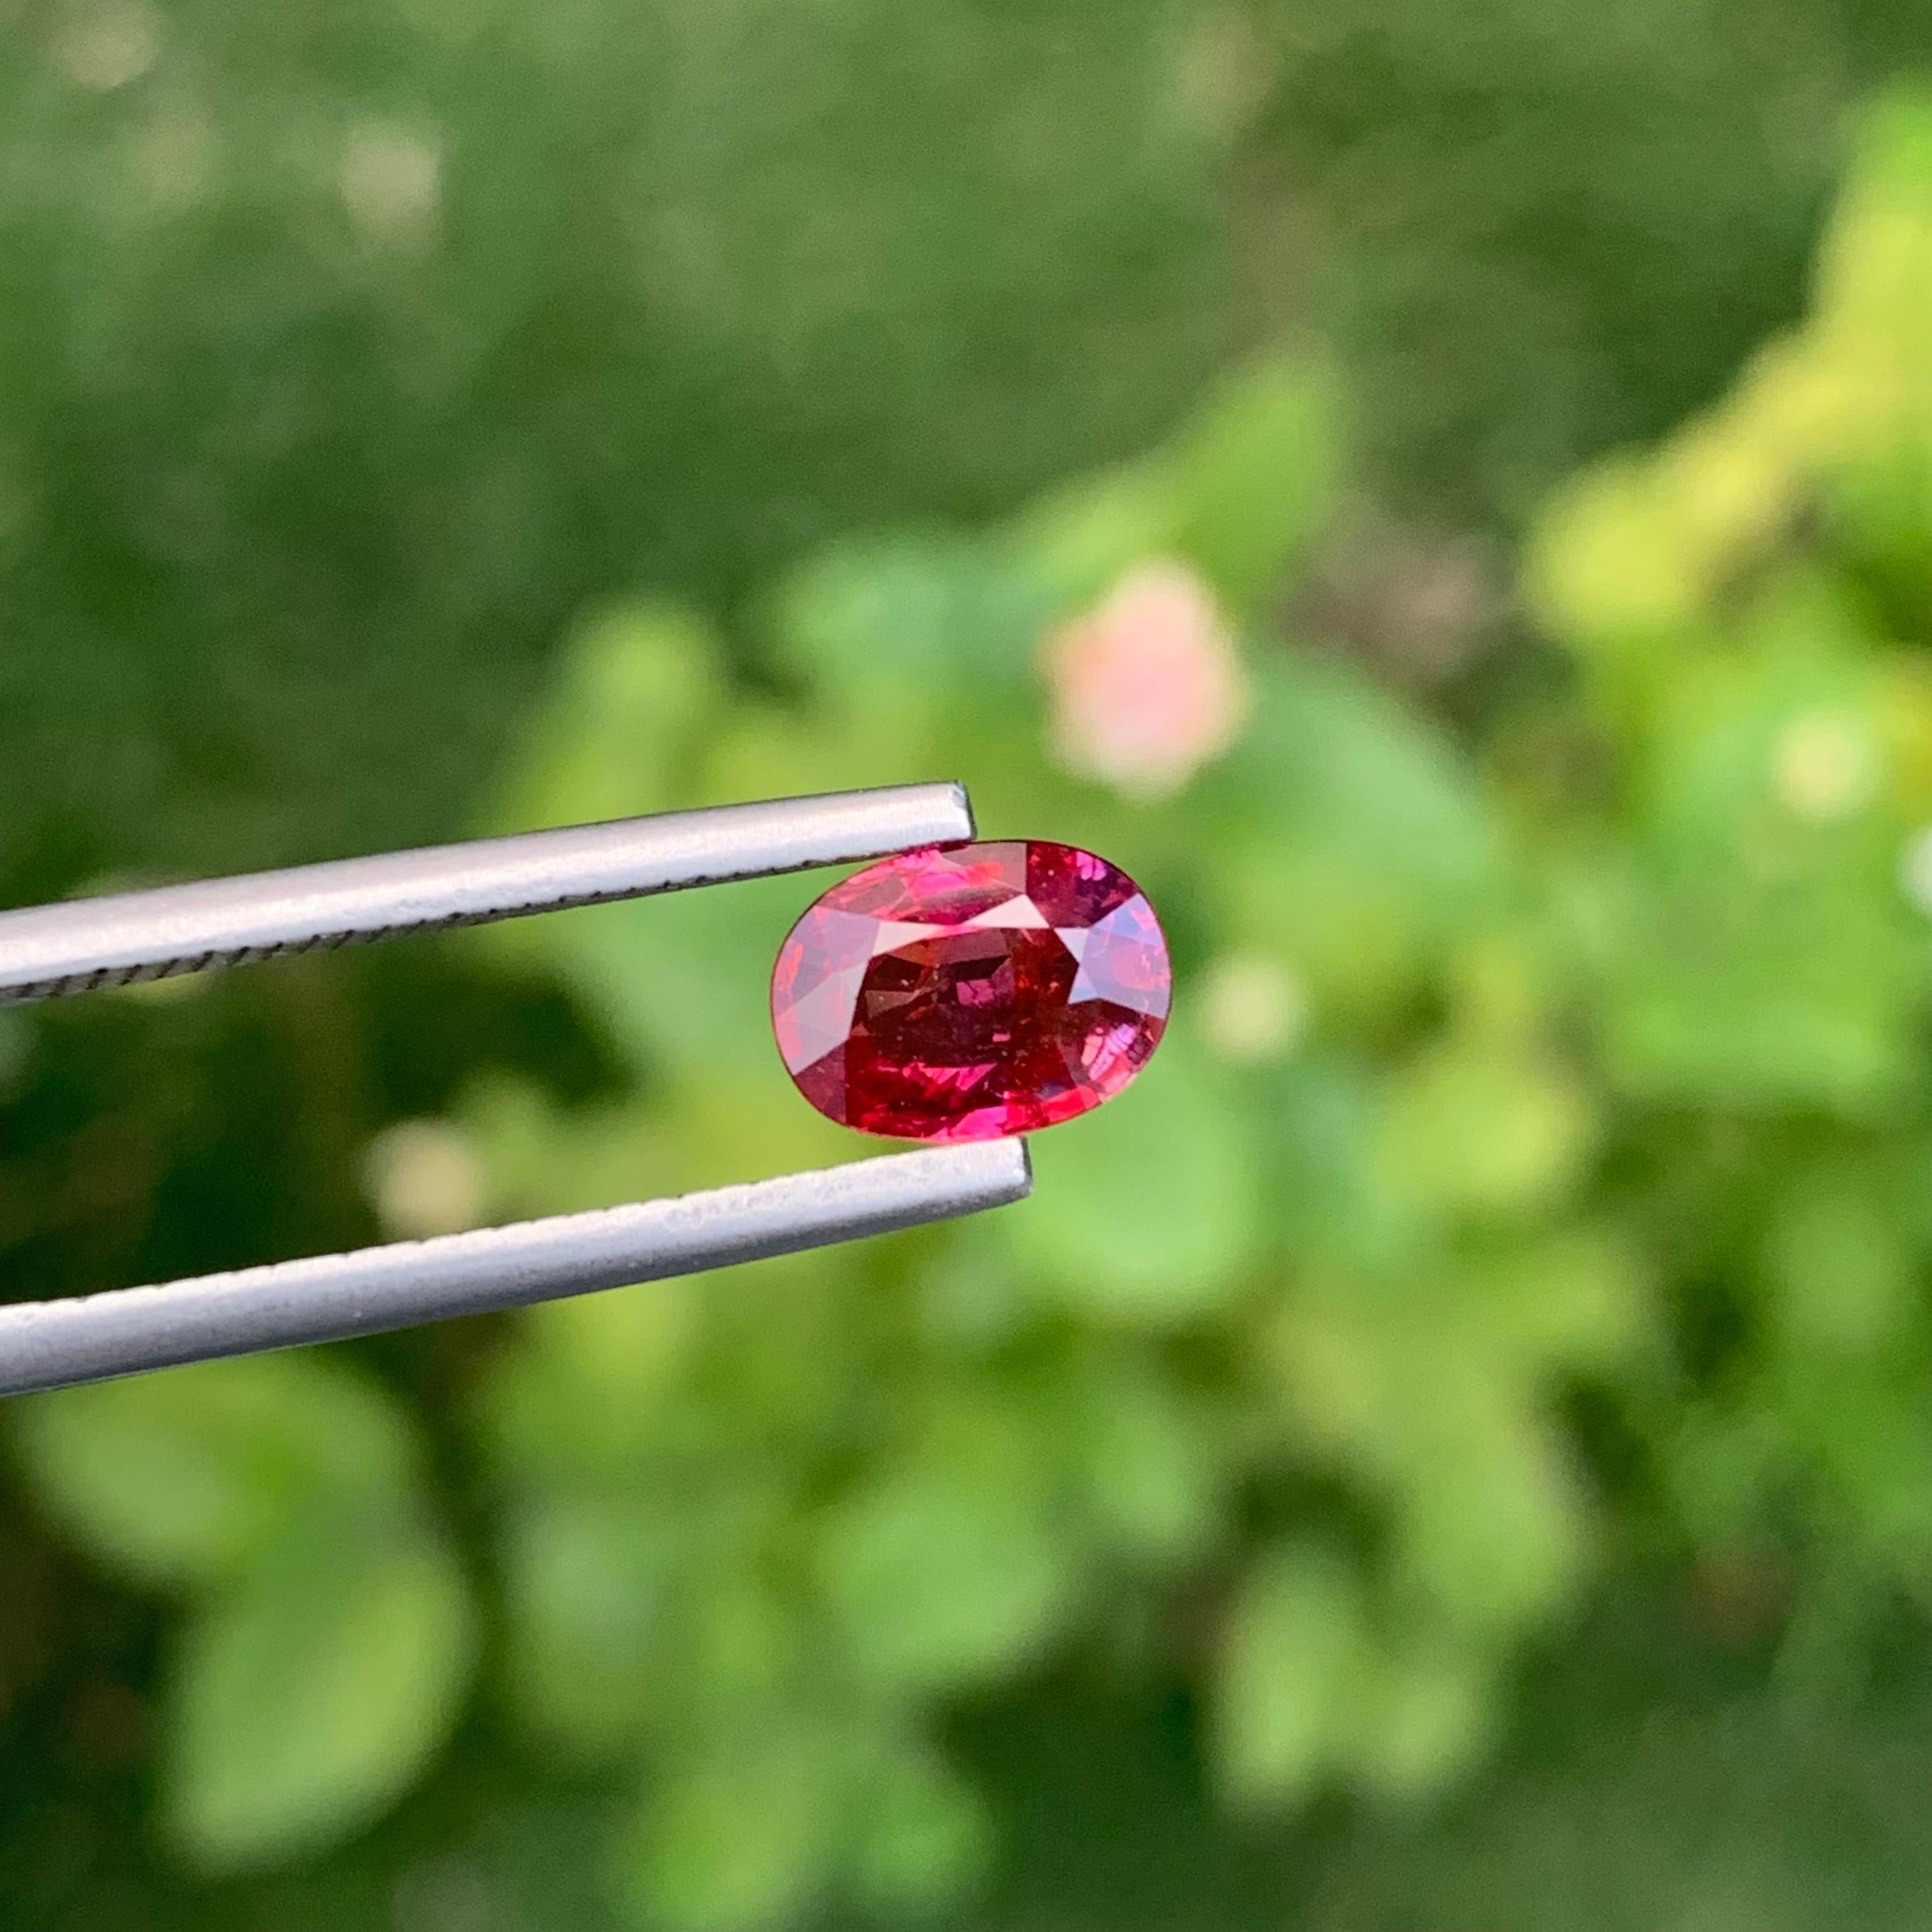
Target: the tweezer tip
pixel 999 1172
pixel 962 800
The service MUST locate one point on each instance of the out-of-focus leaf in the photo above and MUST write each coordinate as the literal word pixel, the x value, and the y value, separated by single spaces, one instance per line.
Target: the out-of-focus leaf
pixel 923 1833
pixel 626 1344
pixel 1293 1665
pixel 1148 1462
pixel 180 1477
pixel 1741 998
pixel 310 1694
pixel 1474 1129
pixel 1356 842
pixel 945 1568
pixel 1572 1300
pixel 1241 490
pixel 1771 759
pixel 1254 475
pixel 1424 1391
pixel 1149 1210
pixel 622 727
pixel 1425 1712
pixel 973 1297
pixel 628 731
pixel 1333 1205
pixel 541 1422
pixel 1865 1458
pixel 681 981
pixel 740 1834
pixel 1880 505
pixel 1842 1266
pixel 1875 272
pixel 1752 947
pixel 1334 758
pixel 542 1159
pixel 770 750
pixel 585 1579
pixel 1081 538
pixel 1611 569
pixel 1491 1529
pixel 945 617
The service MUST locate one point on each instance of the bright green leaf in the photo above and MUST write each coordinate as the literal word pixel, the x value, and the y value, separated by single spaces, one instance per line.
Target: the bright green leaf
pixel 1254 475
pixel 944 1569
pixel 1493 1530
pixel 1736 996
pixel 922 1834
pixel 180 1477
pixel 1356 843
pixel 1844 1273
pixel 1148 1459
pixel 1150 1210
pixel 1079 540
pixel 622 726
pixel 309 1694
pixel 735 1838
pixel 940 616
pixel 1291 1670
pixel 667 976
pixel 1425 1713
pixel 1475 1128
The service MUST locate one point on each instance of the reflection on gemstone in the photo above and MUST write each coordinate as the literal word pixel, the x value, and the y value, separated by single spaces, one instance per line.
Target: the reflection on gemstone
pixel 969 993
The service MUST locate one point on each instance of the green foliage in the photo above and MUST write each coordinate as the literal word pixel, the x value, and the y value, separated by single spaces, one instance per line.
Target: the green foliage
pixel 1253 479
pixel 341 363
pixel 1496 1100
pixel 309 1696
pixel 923 616
pixel 1353 846
pixel 646 683
pixel 949 1568
pixel 1541 1067
pixel 1746 608
pixel 1291 1673
pixel 1155 1211
pixel 1549 228
pixel 330 1634
pixel 186 1478
pixel 889 1478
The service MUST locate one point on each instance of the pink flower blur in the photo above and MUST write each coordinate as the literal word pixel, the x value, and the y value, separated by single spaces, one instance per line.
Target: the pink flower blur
pixel 1149 686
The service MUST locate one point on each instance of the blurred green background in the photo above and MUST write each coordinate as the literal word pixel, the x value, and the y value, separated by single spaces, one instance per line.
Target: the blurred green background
pixel 1453 1448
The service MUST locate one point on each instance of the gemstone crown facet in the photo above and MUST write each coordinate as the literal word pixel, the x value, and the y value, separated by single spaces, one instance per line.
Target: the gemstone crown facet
pixel 966 993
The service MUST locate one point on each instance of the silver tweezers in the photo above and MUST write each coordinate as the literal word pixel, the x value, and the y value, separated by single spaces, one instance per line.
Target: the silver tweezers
pixel 48 951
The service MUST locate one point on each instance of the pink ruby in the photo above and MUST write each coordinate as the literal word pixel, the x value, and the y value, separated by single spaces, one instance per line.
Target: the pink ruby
pixel 967 994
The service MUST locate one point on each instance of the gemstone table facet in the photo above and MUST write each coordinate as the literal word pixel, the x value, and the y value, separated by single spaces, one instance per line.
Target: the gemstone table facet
pixel 967 993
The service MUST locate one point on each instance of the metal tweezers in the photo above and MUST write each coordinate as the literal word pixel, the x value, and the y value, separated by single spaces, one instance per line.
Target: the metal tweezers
pixel 49 952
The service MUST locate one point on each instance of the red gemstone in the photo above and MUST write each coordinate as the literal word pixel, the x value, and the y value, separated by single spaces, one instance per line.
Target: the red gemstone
pixel 962 994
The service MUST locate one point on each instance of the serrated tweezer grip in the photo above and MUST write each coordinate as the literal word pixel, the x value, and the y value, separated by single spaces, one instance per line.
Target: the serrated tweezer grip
pixel 52 950
pixel 48 951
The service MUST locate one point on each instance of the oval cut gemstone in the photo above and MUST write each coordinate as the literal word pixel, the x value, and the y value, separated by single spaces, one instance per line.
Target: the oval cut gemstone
pixel 964 994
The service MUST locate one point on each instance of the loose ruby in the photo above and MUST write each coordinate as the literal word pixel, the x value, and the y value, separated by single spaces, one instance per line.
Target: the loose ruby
pixel 966 993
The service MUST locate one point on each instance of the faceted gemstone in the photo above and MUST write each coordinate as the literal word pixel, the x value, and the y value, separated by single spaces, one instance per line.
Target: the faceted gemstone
pixel 964 994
